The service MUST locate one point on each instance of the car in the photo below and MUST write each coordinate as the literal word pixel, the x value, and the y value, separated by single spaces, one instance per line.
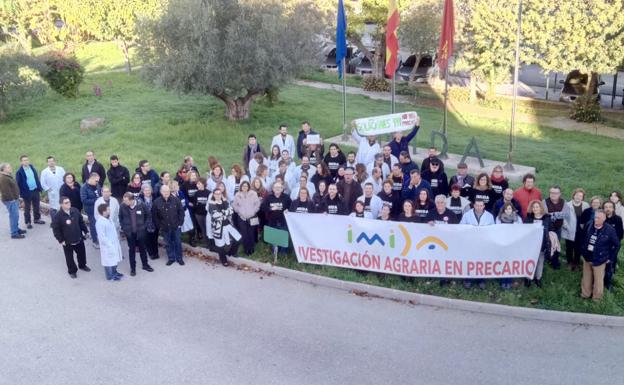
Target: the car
pixel 575 85
pixel 330 57
pixel 360 64
pixel 424 70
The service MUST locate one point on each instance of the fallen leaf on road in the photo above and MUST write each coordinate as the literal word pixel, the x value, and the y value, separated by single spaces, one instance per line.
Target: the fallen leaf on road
pixel 360 293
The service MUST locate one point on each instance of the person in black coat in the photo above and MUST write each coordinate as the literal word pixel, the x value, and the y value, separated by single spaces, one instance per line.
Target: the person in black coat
pixel 92 165
pixel 436 177
pixel 616 222
pixel 168 216
pixel 118 177
pixel 332 203
pixel 71 189
pixel 133 219
pixel 391 198
pixel 600 248
pixel 70 231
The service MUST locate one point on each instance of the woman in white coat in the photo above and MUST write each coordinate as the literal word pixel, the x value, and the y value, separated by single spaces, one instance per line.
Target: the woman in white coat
pixel 233 182
pixel 571 230
pixel 110 248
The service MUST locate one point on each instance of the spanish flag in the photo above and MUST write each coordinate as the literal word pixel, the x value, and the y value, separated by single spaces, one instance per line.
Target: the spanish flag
pixel 447 35
pixel 392 40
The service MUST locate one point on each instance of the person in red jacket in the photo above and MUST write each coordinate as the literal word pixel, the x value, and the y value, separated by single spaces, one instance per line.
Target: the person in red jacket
pixel 527 193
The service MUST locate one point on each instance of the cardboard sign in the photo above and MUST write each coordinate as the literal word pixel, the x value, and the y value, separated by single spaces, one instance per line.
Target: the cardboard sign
pixel 385 124
pixel 313 139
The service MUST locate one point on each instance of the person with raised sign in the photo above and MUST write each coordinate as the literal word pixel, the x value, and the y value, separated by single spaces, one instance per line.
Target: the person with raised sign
pixel 401 143
pixel 367 147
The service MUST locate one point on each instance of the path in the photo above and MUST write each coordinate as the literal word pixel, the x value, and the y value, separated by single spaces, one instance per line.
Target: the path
pixel 561 123
pixel 203 324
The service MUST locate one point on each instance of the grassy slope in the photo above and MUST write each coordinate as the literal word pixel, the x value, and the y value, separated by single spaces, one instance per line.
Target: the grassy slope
pixel 149 123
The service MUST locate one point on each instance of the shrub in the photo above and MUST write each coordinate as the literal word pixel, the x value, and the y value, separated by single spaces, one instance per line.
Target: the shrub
pixel 586 108
pixel 63 74
pixel 371 83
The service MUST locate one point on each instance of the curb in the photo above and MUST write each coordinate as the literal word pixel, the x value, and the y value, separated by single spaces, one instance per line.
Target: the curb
pixel 422 299
pixel 416 298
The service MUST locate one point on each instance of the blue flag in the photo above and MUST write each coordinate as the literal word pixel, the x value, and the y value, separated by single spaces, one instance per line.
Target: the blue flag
pixel 341 37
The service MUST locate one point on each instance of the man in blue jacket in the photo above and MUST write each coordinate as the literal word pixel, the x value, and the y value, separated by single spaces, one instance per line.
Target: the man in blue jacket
pixel 30 189
pixel 401 143
pixel 600 247
pixel 303 134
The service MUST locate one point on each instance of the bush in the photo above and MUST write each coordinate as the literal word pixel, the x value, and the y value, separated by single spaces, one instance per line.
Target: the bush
pixel 371 83
pixel 459 94
pixel 586 108
pixel 63 74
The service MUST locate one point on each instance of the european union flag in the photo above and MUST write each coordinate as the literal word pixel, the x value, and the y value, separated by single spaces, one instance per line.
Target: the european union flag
pixel 341 37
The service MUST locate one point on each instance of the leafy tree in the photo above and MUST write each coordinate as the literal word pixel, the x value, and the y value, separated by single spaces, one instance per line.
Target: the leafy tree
pixel 19 78
pixel 486 40
pixel 420 29
pixel 584 35
pixel 109 20
pixel 234 50
pixel 28 20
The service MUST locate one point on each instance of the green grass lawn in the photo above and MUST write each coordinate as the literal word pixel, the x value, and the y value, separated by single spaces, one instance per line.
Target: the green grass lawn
pixel 144 122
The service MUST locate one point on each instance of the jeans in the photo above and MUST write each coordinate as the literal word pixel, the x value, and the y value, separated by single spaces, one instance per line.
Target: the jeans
pixel 92 230
pixel 135 240
pixel 111 272
pixel 32 201
pixel 81 254
pixel 173 244
pixel 13 208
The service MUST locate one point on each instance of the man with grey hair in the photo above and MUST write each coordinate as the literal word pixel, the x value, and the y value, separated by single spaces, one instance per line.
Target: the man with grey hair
pixel 113 204
pixel 168 216
pixel 9 194
pixel 441 214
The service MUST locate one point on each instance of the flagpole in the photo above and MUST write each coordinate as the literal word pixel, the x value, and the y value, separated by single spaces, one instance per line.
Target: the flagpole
pixel 345 135
pixel 445 100
pixel 509 165
pixel 393 91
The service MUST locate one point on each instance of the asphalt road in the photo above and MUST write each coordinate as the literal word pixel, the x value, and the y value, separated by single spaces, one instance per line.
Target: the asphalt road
pixel 203 324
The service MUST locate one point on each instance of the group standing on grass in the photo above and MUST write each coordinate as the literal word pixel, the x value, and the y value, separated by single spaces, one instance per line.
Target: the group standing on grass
pixel 376 182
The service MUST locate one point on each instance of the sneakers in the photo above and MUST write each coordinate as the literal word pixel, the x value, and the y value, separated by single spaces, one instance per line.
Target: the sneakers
pixel 18 236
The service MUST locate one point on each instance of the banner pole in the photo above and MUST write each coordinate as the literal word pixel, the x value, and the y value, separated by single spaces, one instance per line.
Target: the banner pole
pixel 345 134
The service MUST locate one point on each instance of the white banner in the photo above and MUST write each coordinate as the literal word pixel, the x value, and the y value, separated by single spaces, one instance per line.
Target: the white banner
pixel 416 250
pixel 385 124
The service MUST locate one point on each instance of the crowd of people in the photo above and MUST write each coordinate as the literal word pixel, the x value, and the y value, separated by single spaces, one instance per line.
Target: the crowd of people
pixel 225 212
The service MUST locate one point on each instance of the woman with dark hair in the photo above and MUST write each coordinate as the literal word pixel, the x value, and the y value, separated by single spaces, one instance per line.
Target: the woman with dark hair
pixel 508 215
pixel 71 189
pixel 537 214
pixel 384 214
pixel 232 184
pixel 246 205
pixel 135 185
pixel 274 159
pixel 390 198
pixel 318 196
pixel 199 202
pixel 334 159
pixel 408 214
pixel 358 211
pixel 616 198
pixel 303 203
pixel 322 174
pixel 220 228
pixel 482 190
pixel 339 174
pixel 423 205
pixel 360 173
pixel 571 229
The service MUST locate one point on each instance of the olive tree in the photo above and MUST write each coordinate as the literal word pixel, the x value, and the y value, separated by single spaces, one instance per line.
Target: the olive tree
pixel 19 78
pixel 420 29
pixel 235 50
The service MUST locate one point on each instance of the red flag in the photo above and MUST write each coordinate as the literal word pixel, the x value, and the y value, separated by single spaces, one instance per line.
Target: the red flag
pixel 445 50
pixel 392 40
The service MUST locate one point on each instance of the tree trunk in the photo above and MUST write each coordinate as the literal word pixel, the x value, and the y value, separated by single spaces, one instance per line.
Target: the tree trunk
pixel 378 63
pixel 237 109
pixel 125 49
pixel 473 88
pixel 415 69
pixel 589 88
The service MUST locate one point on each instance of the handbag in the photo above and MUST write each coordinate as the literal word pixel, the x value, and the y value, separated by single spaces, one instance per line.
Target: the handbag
pixel 188 222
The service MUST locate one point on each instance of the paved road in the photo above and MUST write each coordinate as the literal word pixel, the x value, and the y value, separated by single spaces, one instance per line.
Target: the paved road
pixel 203 324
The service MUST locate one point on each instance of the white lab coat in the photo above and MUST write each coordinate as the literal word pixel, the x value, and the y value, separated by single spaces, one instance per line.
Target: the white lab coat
pixel 230 186
pixel 253 166
pixel 469 218
pixel 113 204
pixel 375 205
pixel 294 193
pixel 284 144
pixel 377 184
pixel 51 182
pixel 385 170
pixel 366 152
pixel 110 248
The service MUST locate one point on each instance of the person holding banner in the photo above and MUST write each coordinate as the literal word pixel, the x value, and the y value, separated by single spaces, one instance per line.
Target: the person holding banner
pixel 400 143
pixel 508 215
pixel 600 247
pixel 274 207
pixel 477 216
pixel 457 203
pixel 360 212
pixel 372 203
pixel 441 214
pixel 408 214
pixel 367 147
pixel 333 203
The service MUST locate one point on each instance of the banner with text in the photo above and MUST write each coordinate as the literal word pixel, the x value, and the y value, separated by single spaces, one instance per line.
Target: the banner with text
pixel 384 124
pixel 416 250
